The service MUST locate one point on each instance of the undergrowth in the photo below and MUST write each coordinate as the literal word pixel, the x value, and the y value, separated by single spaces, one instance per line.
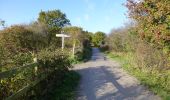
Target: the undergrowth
pixel 66 91
pixel 157 81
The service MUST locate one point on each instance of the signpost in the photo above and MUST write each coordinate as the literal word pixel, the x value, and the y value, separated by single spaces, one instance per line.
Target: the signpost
pixel 62 37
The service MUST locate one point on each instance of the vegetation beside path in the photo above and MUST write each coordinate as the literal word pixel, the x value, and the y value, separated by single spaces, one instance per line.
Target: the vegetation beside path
pixel 143 45
pixel 156 81
pixel 23 45
pixel 66 90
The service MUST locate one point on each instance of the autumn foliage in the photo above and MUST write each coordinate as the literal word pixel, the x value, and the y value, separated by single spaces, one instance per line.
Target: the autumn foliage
pixel 153 20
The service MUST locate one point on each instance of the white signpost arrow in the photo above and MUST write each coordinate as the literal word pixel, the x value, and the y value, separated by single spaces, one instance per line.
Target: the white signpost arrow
pixel 62 36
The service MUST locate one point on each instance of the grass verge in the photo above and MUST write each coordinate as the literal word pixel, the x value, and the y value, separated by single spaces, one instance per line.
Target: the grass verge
pixel 157 81
pixel 66 91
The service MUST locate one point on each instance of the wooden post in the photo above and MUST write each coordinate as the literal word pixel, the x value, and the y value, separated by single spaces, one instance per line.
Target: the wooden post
pixel 62 36
pixel 35 68
pixel 62 43
pixel 74 45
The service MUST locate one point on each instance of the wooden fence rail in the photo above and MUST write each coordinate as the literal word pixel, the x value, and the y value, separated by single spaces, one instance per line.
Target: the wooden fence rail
pixel 15 71
pixel 12 72
pixel 25 89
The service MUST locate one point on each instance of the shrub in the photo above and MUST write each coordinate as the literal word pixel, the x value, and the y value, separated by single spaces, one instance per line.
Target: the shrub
pixel 150 57
pixel 22 59
pixel 4 57
pixel 66 91
pixel 104 48
pixel 56 60
pixel 53 64
pixel 147 61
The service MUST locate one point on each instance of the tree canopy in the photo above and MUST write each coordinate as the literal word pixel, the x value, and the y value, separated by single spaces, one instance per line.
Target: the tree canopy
pixel 98 38
pixel 153 19
pixel 2 22
pixel 54 20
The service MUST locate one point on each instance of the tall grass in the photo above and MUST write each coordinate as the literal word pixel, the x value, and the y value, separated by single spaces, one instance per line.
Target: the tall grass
pixel 156 80
pixel 148 61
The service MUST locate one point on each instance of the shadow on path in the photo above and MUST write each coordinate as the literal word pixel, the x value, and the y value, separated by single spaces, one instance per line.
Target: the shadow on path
pixel 105 80
pixel 101 84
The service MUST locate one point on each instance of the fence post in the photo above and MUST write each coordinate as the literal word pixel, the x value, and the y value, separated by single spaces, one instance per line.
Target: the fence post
pixel 34 74
pixel 35 68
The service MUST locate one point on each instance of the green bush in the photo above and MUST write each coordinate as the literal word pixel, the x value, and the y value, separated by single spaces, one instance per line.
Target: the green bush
pixel 87 52
pixel 56 60
pixel 4 57
pixel 157 80
pixel 22 58
pixel 56 65
pixel 149 62
pixel 144 60
pixel 82 54
pixel 53 64
pixel 66 90
pixel 104 48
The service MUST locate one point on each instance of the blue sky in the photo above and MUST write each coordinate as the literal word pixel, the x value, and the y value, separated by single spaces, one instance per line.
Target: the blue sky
pixel 91 15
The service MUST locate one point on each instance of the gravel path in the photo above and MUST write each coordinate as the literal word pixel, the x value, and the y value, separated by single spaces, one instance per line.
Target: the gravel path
pixel 103 79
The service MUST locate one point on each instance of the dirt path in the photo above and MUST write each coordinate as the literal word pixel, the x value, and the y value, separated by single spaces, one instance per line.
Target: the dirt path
pixel 103 79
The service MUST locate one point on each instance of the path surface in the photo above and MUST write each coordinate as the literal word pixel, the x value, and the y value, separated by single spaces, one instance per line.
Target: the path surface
pixel 103 79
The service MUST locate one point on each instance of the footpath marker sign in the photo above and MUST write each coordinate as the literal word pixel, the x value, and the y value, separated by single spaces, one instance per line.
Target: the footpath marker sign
pixel 62 37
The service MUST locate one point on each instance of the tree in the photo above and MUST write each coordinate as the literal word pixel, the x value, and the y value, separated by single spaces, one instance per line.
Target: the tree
pixel 53 18
pixel 88 36
pixel 2 22
pixel 153 19
pixel 55 21
pixel 98 38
